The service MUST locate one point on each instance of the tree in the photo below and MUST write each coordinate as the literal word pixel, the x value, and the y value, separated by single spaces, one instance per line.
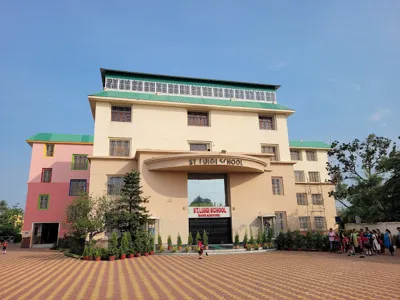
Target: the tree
pixel 10 219
pixel 354 169
pixel 199 202
pixel 127 212
pixel 86 216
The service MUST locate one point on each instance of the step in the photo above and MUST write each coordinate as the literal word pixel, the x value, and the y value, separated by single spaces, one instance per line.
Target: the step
pixel 218 252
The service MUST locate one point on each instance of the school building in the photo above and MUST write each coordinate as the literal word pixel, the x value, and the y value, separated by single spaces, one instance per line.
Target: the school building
pixel 213 155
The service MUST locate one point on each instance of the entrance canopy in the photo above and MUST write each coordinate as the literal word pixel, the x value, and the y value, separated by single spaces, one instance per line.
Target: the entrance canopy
pixel 207 163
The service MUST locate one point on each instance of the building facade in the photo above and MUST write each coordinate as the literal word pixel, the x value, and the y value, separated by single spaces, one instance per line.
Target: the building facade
pixel 59 171
pixel 213 155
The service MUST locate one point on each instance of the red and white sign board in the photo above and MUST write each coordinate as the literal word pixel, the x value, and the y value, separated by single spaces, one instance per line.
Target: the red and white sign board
pixel 209 212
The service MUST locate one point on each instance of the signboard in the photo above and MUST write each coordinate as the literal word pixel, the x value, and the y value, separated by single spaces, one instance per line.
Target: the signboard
pixel 209 212
pixel 216 161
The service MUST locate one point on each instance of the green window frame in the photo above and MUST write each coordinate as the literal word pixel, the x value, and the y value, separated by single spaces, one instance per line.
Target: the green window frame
pixel 79 162
pixel 40 201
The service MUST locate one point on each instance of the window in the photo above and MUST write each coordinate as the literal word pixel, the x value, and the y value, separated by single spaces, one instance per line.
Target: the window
pixel 228 93
pixel 266 122
pixel 77 187
pixel 270 97
pixel 301 199
pixel 79 162
pixel 299 176
pixel 161 87
pixel 120 113
pixel 112 83
pixel 184 89
pixel 114 184
pixel 277 185
pixel 314 176
pixel 319 223
pixel 218 92
pixel 207 91
pixel 295 155
pixel 249 95
pixel 137 85
pixel 260 96
pixel 197 118
pixel 46 175
pixel 239 94
pixel 124 84
pixel 199 147
pixel 281 221
pixel 43 202
pixel 149 86
pixel 49 150
pixel 317 199
pixel 270 149
pixel 196 91
pixel 311 155
pixel 173 88
pixel 304 223
pixel 119 147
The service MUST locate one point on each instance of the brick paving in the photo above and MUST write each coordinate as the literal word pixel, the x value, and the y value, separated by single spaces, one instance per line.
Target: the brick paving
pixel 45 274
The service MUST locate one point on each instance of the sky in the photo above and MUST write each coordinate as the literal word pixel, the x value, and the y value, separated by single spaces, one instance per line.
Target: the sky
pixel 337 63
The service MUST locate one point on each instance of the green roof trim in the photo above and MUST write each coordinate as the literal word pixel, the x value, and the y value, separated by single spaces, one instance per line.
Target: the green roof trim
pixel 309 144
pixel 190 100
pixel 61 138
pixel 186 80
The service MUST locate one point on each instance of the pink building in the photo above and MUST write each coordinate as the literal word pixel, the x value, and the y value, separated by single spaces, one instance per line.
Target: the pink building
pixel 59 171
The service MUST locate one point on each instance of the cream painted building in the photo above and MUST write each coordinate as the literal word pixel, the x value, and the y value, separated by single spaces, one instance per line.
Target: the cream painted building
pixel 213 155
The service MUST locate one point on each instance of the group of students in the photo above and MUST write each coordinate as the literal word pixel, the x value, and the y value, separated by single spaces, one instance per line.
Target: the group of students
pixel 363 241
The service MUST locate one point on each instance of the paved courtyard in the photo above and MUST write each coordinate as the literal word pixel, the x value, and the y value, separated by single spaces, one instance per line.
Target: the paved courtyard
pixel 45 274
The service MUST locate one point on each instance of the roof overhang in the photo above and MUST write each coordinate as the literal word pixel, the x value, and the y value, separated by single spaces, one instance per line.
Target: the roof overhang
pixel 207 163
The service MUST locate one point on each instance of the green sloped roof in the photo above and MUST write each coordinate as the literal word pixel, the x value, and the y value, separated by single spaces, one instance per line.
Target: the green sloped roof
pixel 61 138
pixel 189 100
pixel 309 144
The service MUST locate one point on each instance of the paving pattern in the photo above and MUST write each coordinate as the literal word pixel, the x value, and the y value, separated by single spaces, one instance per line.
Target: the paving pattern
pixel 45 274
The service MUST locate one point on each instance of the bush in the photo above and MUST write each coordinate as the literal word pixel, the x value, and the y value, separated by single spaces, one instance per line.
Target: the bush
pixel 69 254
pixel 124 244
pixel 260 237
pixel 131 249
pixel 237 242
pixel 159 241
pixel 169 240
pixel 140 242
pixel 190 239
pixel 17 238
pixel 77 245
pixel 245 239
pixel 289 239
pixel 205 238
pixel 318 241
pixel 151 243
pixel 251 241
pixel 104 253
pixel 281 241
pixel 198 236
pixel 309 240
pixel 113 245
pixel 179 240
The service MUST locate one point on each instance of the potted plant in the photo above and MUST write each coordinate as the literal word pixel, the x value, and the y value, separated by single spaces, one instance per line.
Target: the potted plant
pixel 169 242
pixel 245 240
pixel 205 240
pixel 159 241
pixel 124 245
pixel 298 240
pixel 179 242
pixel 174 249
pixel 151 244
pixel 248 247
pixel 131 250
pixel 190 241
pixel 113 246
pixel 198 237
pixel 237 240
pixel 146 244
pixel 309 240
pixel 264 238
pixel 270 235
pixel 86 252
pixel 260 238
pixel 289 240
pixel 187 248
pixel 97 254
pixel 138 243
pixel 251 241
pixel 161 249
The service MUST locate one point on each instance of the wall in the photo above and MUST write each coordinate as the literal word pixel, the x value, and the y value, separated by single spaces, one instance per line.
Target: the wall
pixel 159 127
pixel 313 166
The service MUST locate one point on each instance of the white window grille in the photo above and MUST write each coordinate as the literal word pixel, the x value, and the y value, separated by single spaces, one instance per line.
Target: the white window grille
pixel 161 87
pixel 149 87
pixel 228 93
pixel 218 93
pixel 239 94
pixel 173 88
pixel 184 89
pixel 196 90
pixel 207 91
pixel 249 95
pixel 260 96
pixel 137 85
pixel 112 83
pixel 124 84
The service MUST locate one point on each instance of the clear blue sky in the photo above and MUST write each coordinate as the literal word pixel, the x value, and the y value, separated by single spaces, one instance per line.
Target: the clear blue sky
pixel 338 62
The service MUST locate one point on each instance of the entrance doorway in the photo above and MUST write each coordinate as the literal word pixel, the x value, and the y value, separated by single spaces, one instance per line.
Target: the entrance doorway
pixel 45 233
pixel 219 230
pixel 208 207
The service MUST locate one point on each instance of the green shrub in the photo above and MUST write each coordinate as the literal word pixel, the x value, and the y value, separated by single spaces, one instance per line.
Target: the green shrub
pixel 251 241
pixel 139 242
pixel 179 240
pixel 77 246
pixel 281 241
pixel 104 253
pixel 309 240
pixel 245 239
pixel 198 236
pixel 113 245
pixel 169 240
pixel 69 254
pixel 131 249
pixel 237 242
pixel 319 241
pixel 151 242
pixel 205 238
pixel 159 240
pixel 260 237
pixel 289 239
pixel 124 244
pixel 190 239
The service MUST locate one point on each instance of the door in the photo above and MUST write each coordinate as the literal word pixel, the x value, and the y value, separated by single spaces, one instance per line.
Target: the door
pixel 218 229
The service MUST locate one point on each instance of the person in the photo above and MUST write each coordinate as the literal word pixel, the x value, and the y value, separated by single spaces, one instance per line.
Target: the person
pixel 354 242
pixel 331 236
pixel 5 244
pixel 397 243
pixel 380 240
pixel 200 247
pixel 375 242
pixel 367 244
pixel 346 245
pixel 387 241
